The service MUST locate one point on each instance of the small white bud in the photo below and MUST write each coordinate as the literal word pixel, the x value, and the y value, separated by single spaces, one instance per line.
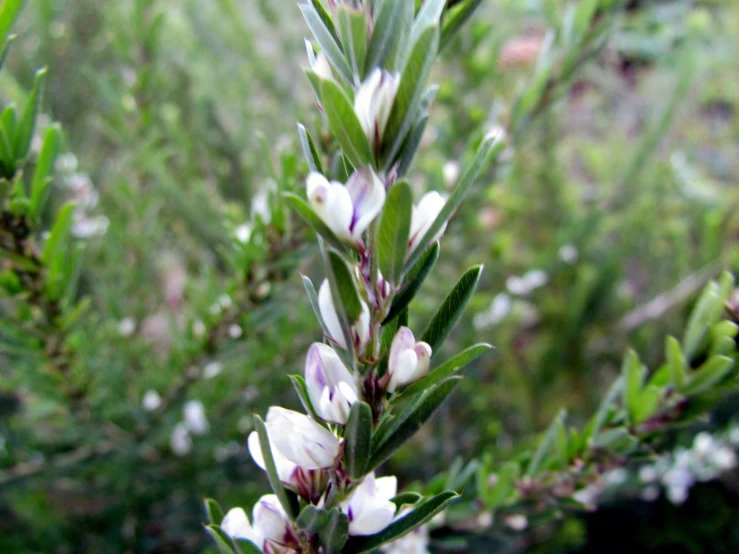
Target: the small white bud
pixel 180 441
pixel 235 331
pixel 373 103
pixel 198 328
pixel 212 369
pixel 151 400
pixel 243 233
pixel 126 326
pixel 194 416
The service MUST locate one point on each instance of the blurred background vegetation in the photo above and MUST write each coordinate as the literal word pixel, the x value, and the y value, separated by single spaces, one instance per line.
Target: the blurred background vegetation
pixel 609 216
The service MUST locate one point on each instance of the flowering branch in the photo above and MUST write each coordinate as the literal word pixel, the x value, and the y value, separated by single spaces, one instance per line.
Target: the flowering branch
pixel 370 386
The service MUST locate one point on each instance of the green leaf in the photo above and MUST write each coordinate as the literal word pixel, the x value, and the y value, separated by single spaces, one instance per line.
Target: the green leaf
pixel 406 499
pixel 332 527
pixel 326 39
pixel 451 310
pixel 633 373
pixel 545 445
pixel 455 19
pixel 385 34
pixel 617 440
pixel 445 370
pixel 413 281
pixel 409 149
pixel 344 124
pixel 357 439
pixel 603 414
pixel 27 122
pixel 5 46
pixel 707 311
pixel 410 420
pixel 56 242
pixel 43 171
pixel 7 132
pixel 353 34
pixel 404 112
pixel 213 511
pixel 222 540
pixel 271 469
pixel 309 149
pixel 490 148
pixel 708 375
pixel 418 516
pixel 247 547
pixel 394 231
pixel 503 488
pixel 675 362
pixel 347 292
pixel 303 209
pixel 9 10
pixel 21 262
pixel 313 300
pixel 301 389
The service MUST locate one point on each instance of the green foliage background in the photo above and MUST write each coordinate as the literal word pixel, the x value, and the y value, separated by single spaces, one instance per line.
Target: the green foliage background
pixel 183 112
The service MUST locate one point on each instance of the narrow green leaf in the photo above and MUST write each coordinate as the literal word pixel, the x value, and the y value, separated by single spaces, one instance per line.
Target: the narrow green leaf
pixel 213 511
pixel 309 149
pixel 675 362
pixel 301 389
pixel 708 375
pixel 445 370
pixel 617 440
pixel 27 122
pixel 490 148
pixel 357 439
pixel 385 34
pixel 451 310
pixel 353 33
pixel 9 10
pixel 394 230
pixel 303 209
pixel 222 540
pixel 335 533
pixel 247 547
pixel 418 516
pixel 19 261
pixel 328 22
pixel 633 373
pixel 404 112
pixel 410 420
pixel 413 281
pixel 312 519
pixel 455 19
pixel 344 124
pixel 5 45
pixel 409 149
pixel 313 300
pixel 347 292
pixel 406 499
pixel 601 417
pixel 545 445
pixel 327 41
pixel 44 170
pixel 55 243
pixel 271 469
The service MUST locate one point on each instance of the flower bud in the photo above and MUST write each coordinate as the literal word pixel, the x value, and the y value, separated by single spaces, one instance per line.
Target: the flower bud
pixel 236 525
pixel 423 216
pixel 319 63
pixel 270 530
pixel 368 506
pixel 347 210
pixel 374 101
pixel 408 361
pixel 331 387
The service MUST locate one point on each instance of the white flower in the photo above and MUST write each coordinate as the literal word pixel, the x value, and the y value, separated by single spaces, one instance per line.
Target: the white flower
pixel 517 522
pixel 568 254
pixel 285 468
pixel 194 416
pixel 677 494
pixel 126 326
pixel 198 328
pixel 180 441
pixel 243 233
pixel 423 216
pixel 299 439
pixel 236 525
pixel 151 400
pixel 322 67
pixel 347 209
pixel 369 507
pixel 331 387
pixel 530 281
pixel 374 102
pixel 235 331
pixel 408 361
pixel 270 529
pixel 212 369
pixel 360 328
